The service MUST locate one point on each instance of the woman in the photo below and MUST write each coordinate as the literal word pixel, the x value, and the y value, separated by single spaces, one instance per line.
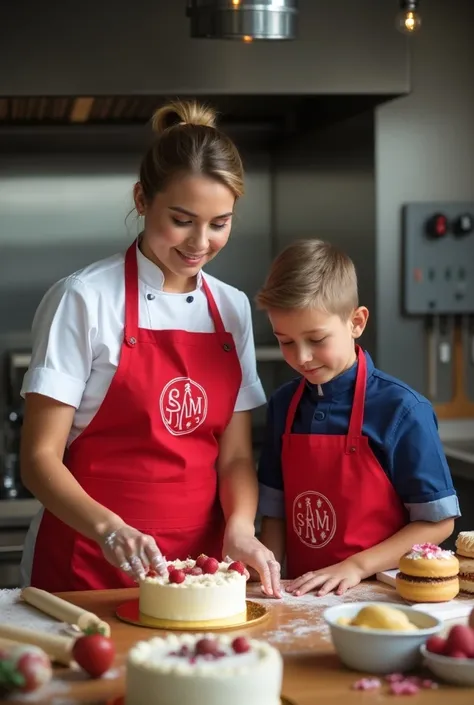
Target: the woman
pixel 137 430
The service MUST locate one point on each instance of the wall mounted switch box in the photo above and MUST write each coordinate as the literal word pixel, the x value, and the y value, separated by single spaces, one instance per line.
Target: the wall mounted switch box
pixel 438 258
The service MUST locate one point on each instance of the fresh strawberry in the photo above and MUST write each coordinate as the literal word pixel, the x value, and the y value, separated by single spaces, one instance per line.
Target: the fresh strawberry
pixel 206 647
pixel 177 576
pixel 436 645
pixel 35 667
pixel 24 668
pixel 94 653
pixel 238 566
pixel 201 560
pixel 210 566
pixel 458 654
pixel 241 645
pixel 460 639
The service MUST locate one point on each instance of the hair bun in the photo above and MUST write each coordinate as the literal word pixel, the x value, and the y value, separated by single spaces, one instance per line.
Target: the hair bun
pixel 187 112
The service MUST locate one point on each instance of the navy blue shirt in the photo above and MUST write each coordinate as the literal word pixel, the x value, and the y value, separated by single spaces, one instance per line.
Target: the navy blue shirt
pixel 401 427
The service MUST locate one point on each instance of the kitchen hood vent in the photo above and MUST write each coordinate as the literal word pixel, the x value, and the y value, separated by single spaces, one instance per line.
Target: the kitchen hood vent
pixel 273 113
pixel 245 20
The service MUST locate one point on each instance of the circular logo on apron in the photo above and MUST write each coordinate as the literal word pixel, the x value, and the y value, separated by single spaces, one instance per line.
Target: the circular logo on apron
pixel 183 406
pixel 314 519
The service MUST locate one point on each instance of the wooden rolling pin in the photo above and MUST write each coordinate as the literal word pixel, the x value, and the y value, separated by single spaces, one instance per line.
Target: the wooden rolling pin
pixel 59 648
pixel 8 644
pixel 64 611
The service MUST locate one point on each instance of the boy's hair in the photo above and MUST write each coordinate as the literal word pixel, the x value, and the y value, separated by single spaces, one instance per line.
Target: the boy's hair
pixel 311 274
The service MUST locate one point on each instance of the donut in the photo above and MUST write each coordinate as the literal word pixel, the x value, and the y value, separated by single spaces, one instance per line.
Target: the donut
pixel 465 556
pixel 428 574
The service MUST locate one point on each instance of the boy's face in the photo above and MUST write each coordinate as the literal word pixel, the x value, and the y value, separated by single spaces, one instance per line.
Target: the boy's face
pixel 318 345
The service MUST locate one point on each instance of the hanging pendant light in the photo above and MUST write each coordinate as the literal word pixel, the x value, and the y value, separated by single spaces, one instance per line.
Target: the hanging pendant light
pixel 245 20
pixel 408 19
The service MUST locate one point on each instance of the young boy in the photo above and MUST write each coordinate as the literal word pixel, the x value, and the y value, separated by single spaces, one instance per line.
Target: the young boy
pixel 352 473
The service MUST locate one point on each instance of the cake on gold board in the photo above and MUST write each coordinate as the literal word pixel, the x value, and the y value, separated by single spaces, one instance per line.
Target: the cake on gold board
pixel 465 556
pixel 201 590
pixel 191 668
pixel 195 594
pixel 428 573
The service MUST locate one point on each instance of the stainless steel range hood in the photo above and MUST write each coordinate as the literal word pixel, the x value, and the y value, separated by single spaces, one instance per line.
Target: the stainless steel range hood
pixel 87 64
pixel 243 19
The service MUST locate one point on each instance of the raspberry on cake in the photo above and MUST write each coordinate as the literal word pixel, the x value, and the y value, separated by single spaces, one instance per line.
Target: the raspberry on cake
pixel 428 574
pixel 238 566
pixel 211 669
pixel 201 590
pixel 465 556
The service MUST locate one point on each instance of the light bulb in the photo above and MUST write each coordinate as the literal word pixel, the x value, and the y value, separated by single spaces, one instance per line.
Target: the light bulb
pixel 408 21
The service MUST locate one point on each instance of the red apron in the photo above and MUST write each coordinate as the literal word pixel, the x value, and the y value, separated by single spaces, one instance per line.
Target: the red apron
pixel 338 499
pixel 149 454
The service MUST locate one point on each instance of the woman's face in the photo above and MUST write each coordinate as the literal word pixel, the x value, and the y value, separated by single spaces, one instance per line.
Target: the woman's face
pixel 186 225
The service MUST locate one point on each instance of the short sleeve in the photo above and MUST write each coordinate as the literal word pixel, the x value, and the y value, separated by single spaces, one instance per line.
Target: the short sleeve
pixel 270 476
pixel 63 332
pixel 251 393
pixel 420 472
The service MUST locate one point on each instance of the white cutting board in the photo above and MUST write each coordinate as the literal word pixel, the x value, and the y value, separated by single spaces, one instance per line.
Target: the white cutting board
pixel 458 608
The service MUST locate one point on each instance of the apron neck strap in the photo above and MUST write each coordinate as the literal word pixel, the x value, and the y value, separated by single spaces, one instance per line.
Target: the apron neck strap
pixel 358 404
pixel 131 298
pixel 290 417
pixel 131 294
pixel 213 310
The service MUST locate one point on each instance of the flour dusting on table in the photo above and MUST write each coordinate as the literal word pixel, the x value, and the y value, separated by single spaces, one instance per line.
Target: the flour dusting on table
pixel 15 612
pixel 50 690
pixel 306 628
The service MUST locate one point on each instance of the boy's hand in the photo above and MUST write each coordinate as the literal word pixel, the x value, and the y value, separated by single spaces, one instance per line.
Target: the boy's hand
pixel 339 578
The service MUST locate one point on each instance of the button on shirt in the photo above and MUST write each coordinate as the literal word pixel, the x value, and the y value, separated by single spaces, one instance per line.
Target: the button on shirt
pixel 401 427
pixel 78 332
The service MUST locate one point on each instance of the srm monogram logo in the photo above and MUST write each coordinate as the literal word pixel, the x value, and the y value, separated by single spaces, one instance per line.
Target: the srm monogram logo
pixel 183 406
pixel 314 519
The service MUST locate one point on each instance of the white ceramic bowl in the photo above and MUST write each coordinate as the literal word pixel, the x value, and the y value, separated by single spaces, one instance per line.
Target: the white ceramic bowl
pixel 379 650
pixel 458 671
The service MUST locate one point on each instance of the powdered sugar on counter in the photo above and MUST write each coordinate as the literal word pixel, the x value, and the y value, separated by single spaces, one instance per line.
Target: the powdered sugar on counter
pixel 429 551
pixel 307 627
pixel 56 691
pixel 17 613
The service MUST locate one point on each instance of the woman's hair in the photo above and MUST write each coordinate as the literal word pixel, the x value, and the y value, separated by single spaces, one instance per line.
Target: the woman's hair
pixel 188 142
pixel 311 274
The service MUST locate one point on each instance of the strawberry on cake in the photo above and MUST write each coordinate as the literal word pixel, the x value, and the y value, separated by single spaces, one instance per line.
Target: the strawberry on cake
pixel 196 668
pixel 202 590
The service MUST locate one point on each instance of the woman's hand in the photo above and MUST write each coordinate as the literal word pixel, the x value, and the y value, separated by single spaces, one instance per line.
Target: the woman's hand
pixel 241 545
pixel 133 552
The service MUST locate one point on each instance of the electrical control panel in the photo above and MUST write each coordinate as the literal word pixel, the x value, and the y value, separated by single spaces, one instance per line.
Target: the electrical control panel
pixel 438 258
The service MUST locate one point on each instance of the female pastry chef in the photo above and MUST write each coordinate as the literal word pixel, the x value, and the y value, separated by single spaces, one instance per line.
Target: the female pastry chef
pixel 137 433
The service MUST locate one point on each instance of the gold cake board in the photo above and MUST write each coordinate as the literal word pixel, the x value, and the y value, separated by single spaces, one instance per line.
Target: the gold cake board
pixel 121 701
pixel 129 612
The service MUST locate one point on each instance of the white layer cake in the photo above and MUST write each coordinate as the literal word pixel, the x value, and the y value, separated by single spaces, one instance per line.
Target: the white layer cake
pixel 199 596
pixel 188 669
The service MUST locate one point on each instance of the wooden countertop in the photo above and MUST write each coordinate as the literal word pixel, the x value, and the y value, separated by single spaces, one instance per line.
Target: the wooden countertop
pixel 312 674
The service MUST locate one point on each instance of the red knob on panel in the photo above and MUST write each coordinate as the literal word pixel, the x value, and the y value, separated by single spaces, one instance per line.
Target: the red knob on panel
pixel 437 226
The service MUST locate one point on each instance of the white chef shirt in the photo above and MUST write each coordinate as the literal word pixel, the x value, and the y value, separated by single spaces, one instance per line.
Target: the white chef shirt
pixel 78 332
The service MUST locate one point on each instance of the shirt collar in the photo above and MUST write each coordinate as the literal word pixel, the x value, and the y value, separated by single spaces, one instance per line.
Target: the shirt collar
pixel 151 275
pixel 343 383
